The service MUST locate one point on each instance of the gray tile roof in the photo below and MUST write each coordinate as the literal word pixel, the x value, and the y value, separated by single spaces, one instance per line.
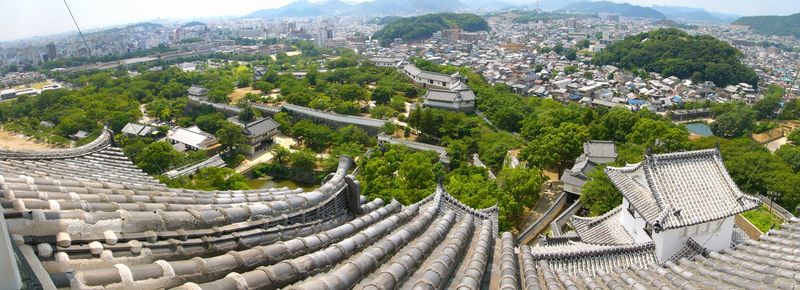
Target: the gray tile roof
pixel 606 229
pixel 596 148
pixel 213 161
pixel 681 189
pixel 197 91
pixel 449 96
pixel 334 117
pixel 138 129
pixel 260 127
pixel 575 257
pixel 91 220
pixel 770 263
pixel 109 225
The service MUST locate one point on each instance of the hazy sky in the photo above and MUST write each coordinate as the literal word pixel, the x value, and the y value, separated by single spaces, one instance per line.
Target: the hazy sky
pixel 25 18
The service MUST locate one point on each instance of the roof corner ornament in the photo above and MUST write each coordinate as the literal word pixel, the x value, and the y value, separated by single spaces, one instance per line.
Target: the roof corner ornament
pixel 657 227
pixel 648 155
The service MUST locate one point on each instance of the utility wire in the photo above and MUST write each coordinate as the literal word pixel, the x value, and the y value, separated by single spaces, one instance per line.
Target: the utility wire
pixel 758 164
pixel 89 50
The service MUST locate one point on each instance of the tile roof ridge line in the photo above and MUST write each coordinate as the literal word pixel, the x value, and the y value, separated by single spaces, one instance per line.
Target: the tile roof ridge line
pixel 591 221
pixel 661 201
pixel 627 168
pixel 481 213
pixel 685 154
pixel 603 250
pixel 101 142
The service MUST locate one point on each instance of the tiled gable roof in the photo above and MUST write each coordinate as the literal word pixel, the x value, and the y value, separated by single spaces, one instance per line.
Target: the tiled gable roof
pixel 86 218
pixel 606 229
pixel 90 231
pixel 681 189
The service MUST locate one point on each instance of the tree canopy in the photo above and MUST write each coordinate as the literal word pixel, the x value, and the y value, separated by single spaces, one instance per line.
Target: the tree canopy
pixel 423 26
pixel 673 52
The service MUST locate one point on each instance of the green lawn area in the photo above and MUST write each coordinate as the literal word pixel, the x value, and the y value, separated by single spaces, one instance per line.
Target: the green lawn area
pixel 762 218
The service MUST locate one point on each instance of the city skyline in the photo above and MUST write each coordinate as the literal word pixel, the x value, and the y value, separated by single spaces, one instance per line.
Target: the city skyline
pixel 26 16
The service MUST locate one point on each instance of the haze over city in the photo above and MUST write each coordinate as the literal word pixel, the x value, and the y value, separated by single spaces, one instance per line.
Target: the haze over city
pixel 42 17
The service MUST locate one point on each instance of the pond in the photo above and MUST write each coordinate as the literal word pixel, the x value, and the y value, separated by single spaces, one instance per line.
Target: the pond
pixel 700 129
pixel 269 182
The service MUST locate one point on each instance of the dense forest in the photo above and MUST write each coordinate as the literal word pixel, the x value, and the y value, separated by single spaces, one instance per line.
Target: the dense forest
pixel 773 25
pixel 672 52
pixel 421 27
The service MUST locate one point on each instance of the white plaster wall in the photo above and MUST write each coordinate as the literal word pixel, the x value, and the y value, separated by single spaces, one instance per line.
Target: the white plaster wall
pixel 668 243
pixel 716 241
pixel 714 236
pixel 634 224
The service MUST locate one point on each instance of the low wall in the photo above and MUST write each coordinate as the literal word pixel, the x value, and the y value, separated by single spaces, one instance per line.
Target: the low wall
pixel 562 219
pixel 532 231
pixel 750 229
pixel 776 208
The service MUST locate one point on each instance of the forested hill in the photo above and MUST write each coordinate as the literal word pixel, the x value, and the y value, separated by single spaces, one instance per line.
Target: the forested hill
pixel 673 52
pixel 773 25
pixel 623 9
pixel 421 27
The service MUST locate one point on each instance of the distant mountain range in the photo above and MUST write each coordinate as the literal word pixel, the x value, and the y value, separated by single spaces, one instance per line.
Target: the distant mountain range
pixel 623 9
pixel 694 14
pixel 303 8
pixel 773 25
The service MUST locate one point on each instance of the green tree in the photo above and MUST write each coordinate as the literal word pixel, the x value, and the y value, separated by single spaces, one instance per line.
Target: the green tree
pixel 571 54
pixel 172 90
pixel 284 120
pixel 767 108
pixel 382 112
pixel 660 136
pixel 382 95
pixel 247 113
pixel 733 123
pixel 215 178
pixel 231 137
pixel 598 194
pixel 522 184
pixel 584 43
pixel 556 148
pixel 352 92
pixel 352 134
pixel 416 174
pixel 614 125
pixel 263 86
pixel 316 137
pixel 791 155
pixel 281 154
pixel 570 69
pixel 389 128
pixel 158 157
pixel 303 160
pixel 794 137
pixel 559 48
pixel 210 122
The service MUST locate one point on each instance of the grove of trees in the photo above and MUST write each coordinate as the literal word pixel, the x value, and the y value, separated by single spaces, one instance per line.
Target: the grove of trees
pixel 673 52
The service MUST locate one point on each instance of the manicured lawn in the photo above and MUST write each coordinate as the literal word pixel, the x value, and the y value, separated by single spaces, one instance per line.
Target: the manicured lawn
pixel 762 218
